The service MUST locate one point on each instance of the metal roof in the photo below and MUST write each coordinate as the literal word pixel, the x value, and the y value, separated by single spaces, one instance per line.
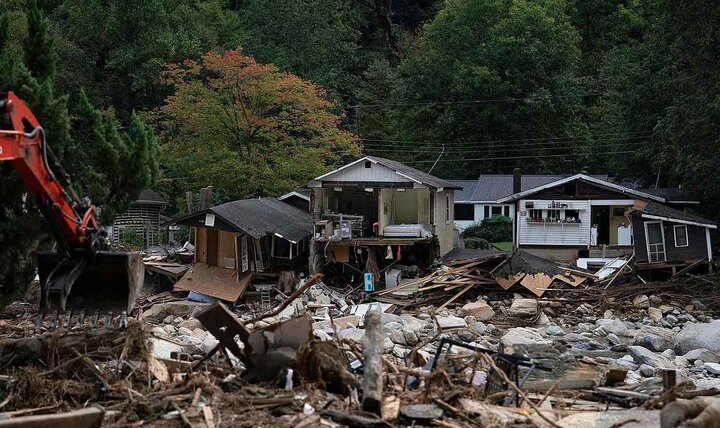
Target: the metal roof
pixel 468 187
pixel 258 218
pixel 492 187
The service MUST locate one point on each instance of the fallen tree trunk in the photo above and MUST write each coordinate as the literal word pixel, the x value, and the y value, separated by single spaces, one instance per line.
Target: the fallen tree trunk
pixel 373 370
pixel 42 348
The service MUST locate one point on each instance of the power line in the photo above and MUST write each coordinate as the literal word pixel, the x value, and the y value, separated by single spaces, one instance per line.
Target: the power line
pixel 506 141
pixel 478 101
pixel 471 147
pixel 549 144
pixel 497 149
pixel 525 157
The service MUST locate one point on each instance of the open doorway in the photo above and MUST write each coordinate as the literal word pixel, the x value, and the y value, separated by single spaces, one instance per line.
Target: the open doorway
pixel 601 220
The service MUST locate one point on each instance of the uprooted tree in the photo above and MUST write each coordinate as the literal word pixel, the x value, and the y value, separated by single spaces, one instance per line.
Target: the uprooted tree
pixel 246 128
pixel 109 166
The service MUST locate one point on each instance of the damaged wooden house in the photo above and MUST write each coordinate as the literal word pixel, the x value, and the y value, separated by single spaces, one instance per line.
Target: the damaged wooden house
pixel 374 213
pixel 241 240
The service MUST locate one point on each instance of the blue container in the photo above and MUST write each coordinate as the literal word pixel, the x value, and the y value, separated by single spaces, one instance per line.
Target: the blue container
pixel 369 284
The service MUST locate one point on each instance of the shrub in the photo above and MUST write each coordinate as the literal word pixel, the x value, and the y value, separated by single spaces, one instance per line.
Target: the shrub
pixel 492 229
pixel 129 238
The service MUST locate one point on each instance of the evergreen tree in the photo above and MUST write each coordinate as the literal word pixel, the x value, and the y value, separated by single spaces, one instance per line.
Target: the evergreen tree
pixel 109 166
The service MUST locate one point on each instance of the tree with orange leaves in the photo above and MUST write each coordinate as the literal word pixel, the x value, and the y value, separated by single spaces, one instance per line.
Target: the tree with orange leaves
pixel 246 128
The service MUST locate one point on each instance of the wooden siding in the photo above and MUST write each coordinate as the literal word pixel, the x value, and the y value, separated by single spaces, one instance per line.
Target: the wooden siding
pixel 697 241
pixel 143 219
pixel 579 190
pixel 569 234
pixel 444 226
pixel 359 174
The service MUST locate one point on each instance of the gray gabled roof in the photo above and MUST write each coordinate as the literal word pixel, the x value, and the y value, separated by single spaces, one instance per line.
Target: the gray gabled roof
pixel 258 218
pixel 663 212
pixel 400 169
pixel 492 187
pixel 586 178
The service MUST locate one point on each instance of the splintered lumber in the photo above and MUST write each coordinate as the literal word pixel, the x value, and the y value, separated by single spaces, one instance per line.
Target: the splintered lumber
pixel 419 281
pixel 455 297
pixel 373 370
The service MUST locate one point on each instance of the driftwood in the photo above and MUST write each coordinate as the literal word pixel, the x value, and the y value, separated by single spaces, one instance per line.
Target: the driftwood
pixel 373 353
pixel 36 348
pixel 702 412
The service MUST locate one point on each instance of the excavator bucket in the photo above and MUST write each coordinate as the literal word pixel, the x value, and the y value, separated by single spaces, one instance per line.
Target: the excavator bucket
pixel 99 283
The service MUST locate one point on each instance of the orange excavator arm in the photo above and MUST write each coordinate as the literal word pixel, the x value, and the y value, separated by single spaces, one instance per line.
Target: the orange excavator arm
pixel 83 275
pixel 22 143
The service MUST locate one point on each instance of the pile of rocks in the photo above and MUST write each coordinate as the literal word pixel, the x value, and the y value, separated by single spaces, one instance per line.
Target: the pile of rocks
pixel 643 338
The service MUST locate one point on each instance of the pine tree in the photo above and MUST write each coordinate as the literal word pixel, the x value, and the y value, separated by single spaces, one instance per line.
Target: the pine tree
pixel 109 166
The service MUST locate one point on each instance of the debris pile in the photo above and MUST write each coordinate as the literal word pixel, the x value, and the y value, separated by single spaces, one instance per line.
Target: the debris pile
pixel 582 355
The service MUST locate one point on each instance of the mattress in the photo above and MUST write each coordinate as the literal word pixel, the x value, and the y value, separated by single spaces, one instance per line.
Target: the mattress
pixel 407 231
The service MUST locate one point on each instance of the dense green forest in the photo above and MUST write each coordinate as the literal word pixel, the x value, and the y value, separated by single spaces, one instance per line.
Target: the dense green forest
pixel 630 88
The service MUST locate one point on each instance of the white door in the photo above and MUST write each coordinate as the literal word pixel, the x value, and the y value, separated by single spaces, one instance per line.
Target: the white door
pixel 655 241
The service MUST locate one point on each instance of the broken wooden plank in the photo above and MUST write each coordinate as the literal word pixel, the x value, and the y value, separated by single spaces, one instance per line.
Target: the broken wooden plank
pixel 455 297
pixel 90 417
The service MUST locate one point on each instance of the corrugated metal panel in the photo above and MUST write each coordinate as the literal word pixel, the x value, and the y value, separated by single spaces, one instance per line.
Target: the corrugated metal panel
pixel 576 234
pixel 468 187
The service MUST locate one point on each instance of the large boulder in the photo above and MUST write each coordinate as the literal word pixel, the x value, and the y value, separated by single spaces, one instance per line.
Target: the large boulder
pixel 656 339
pixel 704 355
pixel 641 301
pixel 522 337
pixel 451 321
pixel 700 335
pixel 523 308
pixel 645 356
pixel 612 326
pixel 480 310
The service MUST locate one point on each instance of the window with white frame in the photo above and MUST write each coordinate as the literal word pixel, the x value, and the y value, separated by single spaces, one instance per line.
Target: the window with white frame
pixel 464 212
pixel 535 215
pixel 681 235
pixel 448 215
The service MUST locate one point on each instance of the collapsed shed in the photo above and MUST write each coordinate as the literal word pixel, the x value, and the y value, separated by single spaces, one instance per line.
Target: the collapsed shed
pixel 241 239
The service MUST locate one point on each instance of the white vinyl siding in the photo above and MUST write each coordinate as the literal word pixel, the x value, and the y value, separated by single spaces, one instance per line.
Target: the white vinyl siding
pixel 548 233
